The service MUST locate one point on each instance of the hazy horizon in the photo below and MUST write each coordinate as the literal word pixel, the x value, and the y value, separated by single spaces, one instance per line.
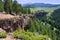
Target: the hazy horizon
pixel 39 1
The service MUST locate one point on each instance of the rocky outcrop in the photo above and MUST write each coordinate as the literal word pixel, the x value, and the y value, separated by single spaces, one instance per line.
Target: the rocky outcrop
pixel 1 30
pixel 10 23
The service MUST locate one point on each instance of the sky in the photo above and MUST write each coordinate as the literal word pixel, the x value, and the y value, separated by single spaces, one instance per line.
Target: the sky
pixel 39 1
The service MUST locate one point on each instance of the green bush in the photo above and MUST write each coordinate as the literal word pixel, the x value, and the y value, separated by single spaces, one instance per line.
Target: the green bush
pixel 3 35
pixel 28 35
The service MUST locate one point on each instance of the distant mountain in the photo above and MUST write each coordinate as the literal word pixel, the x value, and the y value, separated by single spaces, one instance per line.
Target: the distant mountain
pixel 33 5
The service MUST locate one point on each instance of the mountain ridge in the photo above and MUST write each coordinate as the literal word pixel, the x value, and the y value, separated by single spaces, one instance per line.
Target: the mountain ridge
pixel 33 5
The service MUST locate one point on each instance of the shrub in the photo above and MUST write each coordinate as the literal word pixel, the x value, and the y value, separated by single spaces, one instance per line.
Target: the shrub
pixel 28 35
pixel 3 35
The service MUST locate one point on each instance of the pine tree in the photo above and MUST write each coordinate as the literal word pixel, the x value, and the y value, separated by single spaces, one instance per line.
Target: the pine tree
pixel 42 28
pixel 1 6
pixel 31 24
pixel 7 6
pixel 25 11
pixel 29 11
pixel 17 8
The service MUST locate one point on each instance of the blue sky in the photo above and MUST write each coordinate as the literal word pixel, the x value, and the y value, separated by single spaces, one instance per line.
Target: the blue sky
pixel 39 1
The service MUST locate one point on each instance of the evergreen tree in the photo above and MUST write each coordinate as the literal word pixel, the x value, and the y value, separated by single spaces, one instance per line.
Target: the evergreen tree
pixel 7 6
pixel 17 8
pixel 29 11
pixel 42 28
pixel 25 11
pixel 1 6
pixel 31 26
pixel 55 20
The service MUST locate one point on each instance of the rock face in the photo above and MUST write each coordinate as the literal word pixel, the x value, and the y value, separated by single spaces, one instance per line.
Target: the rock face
pixel 1 30
pixel 10 23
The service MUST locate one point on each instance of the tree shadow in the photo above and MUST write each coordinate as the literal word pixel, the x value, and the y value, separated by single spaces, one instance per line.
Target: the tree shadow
pixel 55 16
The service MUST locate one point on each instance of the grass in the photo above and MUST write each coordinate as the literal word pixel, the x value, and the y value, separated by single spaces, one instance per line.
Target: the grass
pixel 3 35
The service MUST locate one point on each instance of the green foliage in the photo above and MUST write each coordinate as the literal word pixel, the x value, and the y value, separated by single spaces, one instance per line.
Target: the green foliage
pixel 56 17
pixel 29 11
pixel 42 28
pixel 17 8
pixel 31 26
pixel 1 6
pixel 28 35
pixel 26 11
pixel 10 6
pixel 55 20
pixel 3 35
pixel 45 28
pixel 7 6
